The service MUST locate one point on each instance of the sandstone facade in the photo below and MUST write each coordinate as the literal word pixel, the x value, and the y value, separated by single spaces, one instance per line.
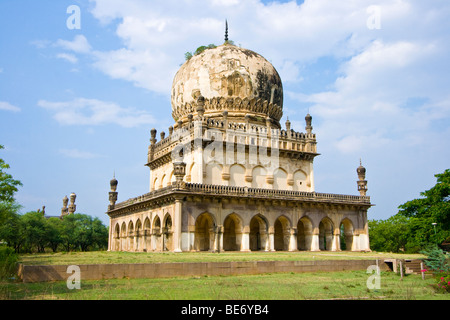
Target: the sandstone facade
pixel 228 177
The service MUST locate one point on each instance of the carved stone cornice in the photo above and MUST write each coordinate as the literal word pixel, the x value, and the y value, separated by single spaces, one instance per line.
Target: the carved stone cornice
pixel 236 107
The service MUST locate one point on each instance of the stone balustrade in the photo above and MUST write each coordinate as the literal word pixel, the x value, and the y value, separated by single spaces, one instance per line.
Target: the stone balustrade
pixel 205 189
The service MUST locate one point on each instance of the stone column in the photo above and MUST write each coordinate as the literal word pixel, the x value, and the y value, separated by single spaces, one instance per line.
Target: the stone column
pixel 112 239
pixel 190 239
pixel 245 244
pixel 219 242
pixel 271 238
pixel 364 233
pixel 356 241
pixel 315 240
pixel 177 224
pixel 336 244
pixel 293 239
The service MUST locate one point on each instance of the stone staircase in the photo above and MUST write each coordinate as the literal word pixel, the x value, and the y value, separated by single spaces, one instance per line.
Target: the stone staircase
pixel 412 266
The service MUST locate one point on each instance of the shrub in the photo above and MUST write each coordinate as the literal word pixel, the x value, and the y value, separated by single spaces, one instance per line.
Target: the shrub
pixel 436 260
pixel 443 281
pixel 8 260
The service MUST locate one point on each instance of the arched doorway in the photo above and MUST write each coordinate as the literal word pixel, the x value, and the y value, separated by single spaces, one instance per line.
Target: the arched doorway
pixel 123 237
pixel 304 234
pixel 167 234
pixel 346 235
pixel 258 233
pixel 232 234
pixel 204 232
pixel 281 235
pixel 116 238
pixel 130 236
pixel 138 235
pixel 147 235
pixel 325 234
pixel 156 234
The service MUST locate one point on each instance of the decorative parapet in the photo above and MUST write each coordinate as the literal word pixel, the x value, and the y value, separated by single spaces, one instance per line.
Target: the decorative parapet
pixel 196 189
pixel 243 132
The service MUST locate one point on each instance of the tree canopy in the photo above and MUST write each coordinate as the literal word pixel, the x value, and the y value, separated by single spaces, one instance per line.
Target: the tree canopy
pixel 8 185
pixel 33 232
pixel 418 223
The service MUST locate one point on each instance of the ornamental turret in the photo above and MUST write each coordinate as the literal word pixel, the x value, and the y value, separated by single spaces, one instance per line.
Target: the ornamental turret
pixel 362 183
pixel 113 193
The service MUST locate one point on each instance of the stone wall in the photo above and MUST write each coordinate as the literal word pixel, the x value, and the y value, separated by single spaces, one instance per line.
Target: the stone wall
pixel 181 269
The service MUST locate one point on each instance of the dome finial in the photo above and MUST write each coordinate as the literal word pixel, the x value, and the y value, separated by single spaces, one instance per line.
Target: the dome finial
pixel 226 30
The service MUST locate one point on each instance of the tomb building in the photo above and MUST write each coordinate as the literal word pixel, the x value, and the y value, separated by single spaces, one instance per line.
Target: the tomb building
pixel 229 177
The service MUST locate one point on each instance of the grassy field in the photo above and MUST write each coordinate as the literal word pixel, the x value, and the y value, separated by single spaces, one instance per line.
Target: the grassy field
pixel 280 286
pixel 105 257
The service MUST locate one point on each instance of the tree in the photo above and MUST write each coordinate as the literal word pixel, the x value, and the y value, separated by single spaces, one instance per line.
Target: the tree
pixel 35 231
pixel 10 225
pixel 54 233
pixel 430 215
pixel 8 185
pixel 82 232
pixel 389 235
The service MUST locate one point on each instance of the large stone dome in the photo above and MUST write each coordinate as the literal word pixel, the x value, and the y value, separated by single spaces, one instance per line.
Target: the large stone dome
pixel 228 78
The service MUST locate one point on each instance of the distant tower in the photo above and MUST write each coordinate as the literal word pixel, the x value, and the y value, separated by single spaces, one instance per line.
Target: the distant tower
pixel 362 183
pixel 64 209
pixel 308 120
pixel 72 206
pixel 113 193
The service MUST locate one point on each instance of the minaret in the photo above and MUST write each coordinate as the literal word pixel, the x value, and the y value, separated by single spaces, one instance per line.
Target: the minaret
pixel 362 183
pixel 308 120
pixel 288 125
pixel 72 206
pixel 151 147
pixel 64 209
pixel 113 194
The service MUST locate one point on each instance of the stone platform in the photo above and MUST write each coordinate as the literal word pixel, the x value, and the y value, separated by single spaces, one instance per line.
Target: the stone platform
pixel 28 273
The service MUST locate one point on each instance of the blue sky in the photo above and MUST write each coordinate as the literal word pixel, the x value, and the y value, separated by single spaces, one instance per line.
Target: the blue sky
pixel 77 105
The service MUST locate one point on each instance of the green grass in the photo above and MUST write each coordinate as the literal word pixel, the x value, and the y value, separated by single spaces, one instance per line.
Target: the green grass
pixel 280 286
pixel 105 257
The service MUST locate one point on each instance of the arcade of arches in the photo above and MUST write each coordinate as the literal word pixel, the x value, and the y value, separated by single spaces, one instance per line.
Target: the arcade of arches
pixel 313 232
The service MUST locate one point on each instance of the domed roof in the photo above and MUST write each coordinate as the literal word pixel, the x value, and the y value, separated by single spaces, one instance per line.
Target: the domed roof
pixel 225 76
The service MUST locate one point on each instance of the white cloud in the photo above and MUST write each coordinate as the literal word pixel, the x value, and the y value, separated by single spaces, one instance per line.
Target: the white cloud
pixel 83 111
pixel 77 154
pixel 40 44
pixel 68 57
pixel 144 68
pixel 79 44
pixel 6 106
pixel 378 72
pixel 376 95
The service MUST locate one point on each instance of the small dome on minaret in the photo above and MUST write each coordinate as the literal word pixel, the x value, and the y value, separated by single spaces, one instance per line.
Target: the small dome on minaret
pixel 113 183
pixel 361 171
